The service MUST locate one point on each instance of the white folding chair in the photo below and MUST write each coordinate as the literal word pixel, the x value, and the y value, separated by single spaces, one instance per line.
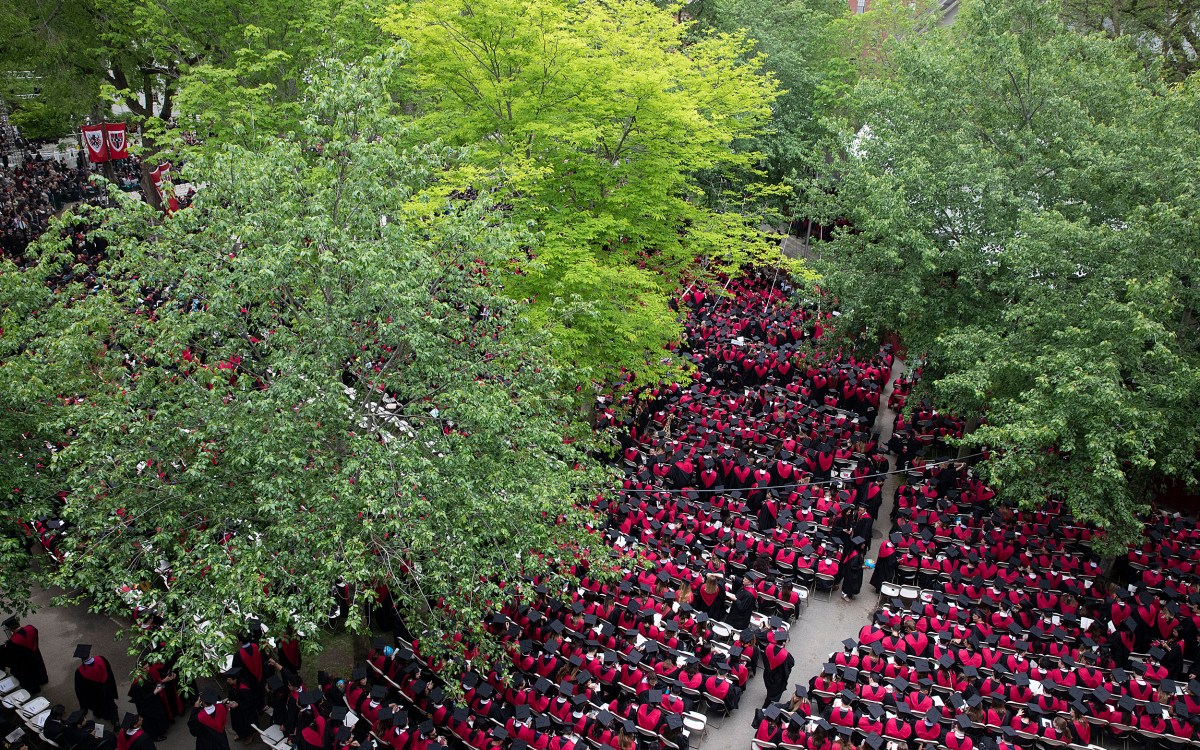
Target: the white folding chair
pixel 16 699
pixel 33 707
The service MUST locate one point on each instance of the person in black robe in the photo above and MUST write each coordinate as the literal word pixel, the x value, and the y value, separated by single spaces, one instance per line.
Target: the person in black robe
pixel 863 525
pixel 152 712
pixel 133 736
pixel 79 734
pixel 852 569
pixel 23 656
pixel 255 666
pixel 742 607
pixel 55 726
pixel 777 668
pixel 95 685
pixel 207 722
pixel 885 566
pixel 243 716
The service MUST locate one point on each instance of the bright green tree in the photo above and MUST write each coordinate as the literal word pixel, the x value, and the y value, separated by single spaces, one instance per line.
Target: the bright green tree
pixel 307 376
pixel 592 120
pixel 1022 209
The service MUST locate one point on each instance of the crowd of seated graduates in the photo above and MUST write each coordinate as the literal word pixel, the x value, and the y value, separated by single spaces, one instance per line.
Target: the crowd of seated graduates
pixel 1001 628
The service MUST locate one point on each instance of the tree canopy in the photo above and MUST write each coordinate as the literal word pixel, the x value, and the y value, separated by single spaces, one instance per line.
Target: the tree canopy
pixel 592 121
pixel 1022 210
pixel 306 377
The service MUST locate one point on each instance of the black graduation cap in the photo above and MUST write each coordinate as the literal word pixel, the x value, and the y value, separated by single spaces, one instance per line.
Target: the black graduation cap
pixel 964 721
pixel 12 623
pixel 900 684
pixel 378 693
pixel 946 660
pixel 1120 675
pixel 128 721
pixel 829 669
pixel 858 541
pixel 542 685
pixel 338 713
pixel 209 696
pixel 499 733
pixel 604 717
pixel 801 691
pixel 343 734
pixel 275 682
pixel 76 716
pixel 932 716
pixel 400 718
pixel 849 644
pixel 1127 703
pixel 850 674
pixel 83 651
pixel 874 741
pixel 310 697
pixel 674 721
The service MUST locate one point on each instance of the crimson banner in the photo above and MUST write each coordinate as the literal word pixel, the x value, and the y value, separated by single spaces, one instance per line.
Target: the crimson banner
pixel 118 148
pixel 94 140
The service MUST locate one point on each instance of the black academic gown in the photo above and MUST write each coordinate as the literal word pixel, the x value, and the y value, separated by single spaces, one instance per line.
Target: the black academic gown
pixel 852 574
pixel 82 738
pixel 242 718
pixel 96 689
pixel 740 611
pixel 24 656
pixel 150 707
pixel 209 730
pixel 775 678
pixel 139 740
pixel 885 570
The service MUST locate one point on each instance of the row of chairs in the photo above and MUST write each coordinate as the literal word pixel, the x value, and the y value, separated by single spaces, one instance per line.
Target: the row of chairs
pixel 33 711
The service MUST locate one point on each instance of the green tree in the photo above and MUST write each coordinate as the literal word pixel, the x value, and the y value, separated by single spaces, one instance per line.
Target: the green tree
pixel 797 44
pixel 1022 210
pixel 592 120
pixel 226 389
pixel 1165 32
pixel 240 59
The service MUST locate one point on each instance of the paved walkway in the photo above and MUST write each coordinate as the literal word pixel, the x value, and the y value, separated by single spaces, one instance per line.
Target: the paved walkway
pixel 825 624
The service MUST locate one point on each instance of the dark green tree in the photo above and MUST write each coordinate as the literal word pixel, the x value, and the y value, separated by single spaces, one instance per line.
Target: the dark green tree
pixel 1022 210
